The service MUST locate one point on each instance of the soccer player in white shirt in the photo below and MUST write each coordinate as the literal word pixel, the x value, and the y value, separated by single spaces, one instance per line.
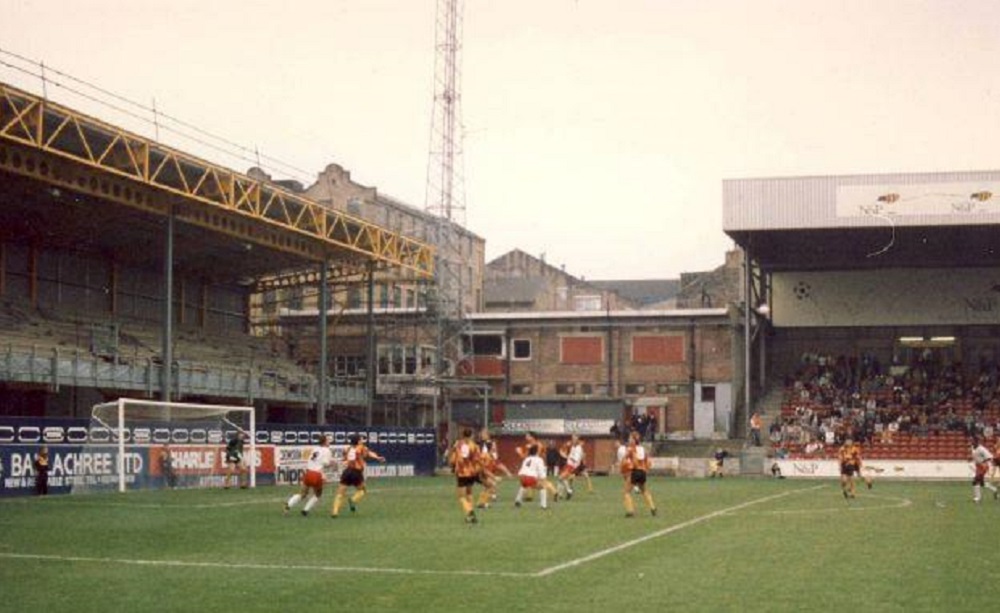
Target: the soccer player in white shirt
pixel 981 459
pixel 574 453
pixel 319 459
pixel 532 476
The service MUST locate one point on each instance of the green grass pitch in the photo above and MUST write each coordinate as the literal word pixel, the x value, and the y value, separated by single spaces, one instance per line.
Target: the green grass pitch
pixel 726 545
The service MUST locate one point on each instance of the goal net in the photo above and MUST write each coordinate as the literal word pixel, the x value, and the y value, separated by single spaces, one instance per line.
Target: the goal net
pixel 146 444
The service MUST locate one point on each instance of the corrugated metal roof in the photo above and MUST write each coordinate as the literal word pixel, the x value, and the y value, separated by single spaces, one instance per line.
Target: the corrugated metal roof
pixel 862 201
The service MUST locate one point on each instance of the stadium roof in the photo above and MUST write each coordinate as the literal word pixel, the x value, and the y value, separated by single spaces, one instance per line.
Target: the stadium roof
pixel 34 213
pixel 867 221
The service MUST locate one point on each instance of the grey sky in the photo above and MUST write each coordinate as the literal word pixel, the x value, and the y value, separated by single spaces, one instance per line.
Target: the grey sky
pixel 596 131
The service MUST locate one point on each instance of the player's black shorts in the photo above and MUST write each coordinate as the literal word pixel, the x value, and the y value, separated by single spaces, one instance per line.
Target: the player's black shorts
pixel 467 481
pixel 581 467
pixel 232 458
pixel 352 477
pixel 848 470
pixel 638 477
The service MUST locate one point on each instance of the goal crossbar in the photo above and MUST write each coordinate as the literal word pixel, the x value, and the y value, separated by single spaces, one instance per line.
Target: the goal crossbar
pixel 115 413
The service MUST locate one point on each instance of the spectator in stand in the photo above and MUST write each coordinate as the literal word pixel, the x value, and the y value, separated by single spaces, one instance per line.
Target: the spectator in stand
pixel 755 426
pixel 775 432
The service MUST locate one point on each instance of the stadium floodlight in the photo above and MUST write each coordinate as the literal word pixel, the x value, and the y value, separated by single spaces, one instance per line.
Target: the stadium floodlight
pixel 158 443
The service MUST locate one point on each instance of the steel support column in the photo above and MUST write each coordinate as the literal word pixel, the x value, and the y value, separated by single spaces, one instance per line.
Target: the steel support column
pixel 370 370
pixel 168 310
pixel 747 339
pixel 324 307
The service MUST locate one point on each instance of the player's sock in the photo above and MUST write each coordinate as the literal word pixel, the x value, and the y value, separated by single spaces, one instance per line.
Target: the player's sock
pixel 648 497
pixel 543 499
pixel 338 501
pixel 629 505
pixel 466 503
pixel 311 503
pixel 977 493
pixel 294 500
pixel 519 497
pixel 991 487
pixel 355 499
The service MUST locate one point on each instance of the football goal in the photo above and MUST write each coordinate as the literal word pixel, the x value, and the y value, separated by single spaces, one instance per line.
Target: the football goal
pixel 148 444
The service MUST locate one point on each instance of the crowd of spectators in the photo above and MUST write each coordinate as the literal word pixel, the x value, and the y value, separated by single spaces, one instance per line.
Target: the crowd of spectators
pixel 832 398
pixel 645 423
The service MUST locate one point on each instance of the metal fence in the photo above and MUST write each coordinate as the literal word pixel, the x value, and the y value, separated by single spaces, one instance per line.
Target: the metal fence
pixel 56 368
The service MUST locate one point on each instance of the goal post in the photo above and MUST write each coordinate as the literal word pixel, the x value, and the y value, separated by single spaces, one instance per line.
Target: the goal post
pixel 183 444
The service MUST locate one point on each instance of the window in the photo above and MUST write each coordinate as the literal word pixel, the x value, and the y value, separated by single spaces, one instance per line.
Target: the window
pixel 565 388
pixel 635 388
pixel 295 298
pixel 410 298
pixel 349 366
pixel 484 344
pixel 658 349
pixel 428 357
pixel 581 350
pixel 521 349
pixel 410 360
pixel 354 297
pixel 397 296
pixel 708 393
pixel 586 303
pixel 384 363
pixel 521 389
pixel 271 302
pixel 602 389
pixel 586 389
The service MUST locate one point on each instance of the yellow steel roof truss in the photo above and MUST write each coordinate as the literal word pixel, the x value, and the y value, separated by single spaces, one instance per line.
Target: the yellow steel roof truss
pixel 27 119
pixel 18 113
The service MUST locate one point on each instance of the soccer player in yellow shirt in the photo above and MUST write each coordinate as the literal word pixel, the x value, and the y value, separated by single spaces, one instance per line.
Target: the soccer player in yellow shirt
pixel 637 463
pixel 850 465
pixel 353 474
pixel 466 462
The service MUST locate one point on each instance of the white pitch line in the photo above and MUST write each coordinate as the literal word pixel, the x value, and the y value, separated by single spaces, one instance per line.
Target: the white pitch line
pixel 280 567
pixel 159 505
pixel 654 535
pixel 408 571
pixel 903 502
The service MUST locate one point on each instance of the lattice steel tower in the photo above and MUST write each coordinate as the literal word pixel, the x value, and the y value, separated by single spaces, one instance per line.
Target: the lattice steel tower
pixel 445 197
